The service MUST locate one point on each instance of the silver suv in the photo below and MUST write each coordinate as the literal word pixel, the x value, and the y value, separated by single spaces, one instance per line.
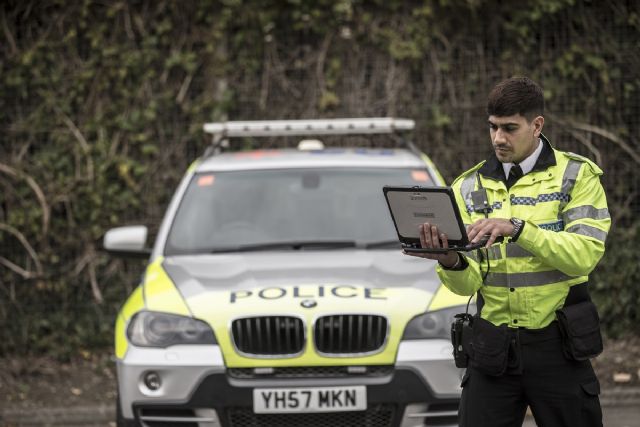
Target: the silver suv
pixel 276 292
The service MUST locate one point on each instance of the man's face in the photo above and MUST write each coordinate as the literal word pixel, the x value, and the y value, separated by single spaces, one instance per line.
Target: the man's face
pixel 514 138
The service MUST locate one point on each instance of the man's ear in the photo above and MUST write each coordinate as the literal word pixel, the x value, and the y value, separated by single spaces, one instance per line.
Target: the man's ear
pixel 538 123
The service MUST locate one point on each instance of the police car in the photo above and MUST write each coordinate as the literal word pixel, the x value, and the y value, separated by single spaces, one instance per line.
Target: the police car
pixel 277 294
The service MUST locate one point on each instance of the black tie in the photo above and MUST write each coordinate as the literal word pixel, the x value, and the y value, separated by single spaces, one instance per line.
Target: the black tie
pixel 514 175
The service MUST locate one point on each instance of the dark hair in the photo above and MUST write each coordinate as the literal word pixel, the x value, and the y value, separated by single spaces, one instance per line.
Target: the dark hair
pixel 516 95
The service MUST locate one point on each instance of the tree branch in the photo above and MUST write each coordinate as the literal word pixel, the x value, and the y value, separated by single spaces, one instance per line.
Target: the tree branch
pixel 17 269
pixel 184 88
pixel 95 288
pixel 8 170
pixel 587 144
pixel 610 136
pixel 601 132
pixel 8 34
pixel 86 148
pixel 25 243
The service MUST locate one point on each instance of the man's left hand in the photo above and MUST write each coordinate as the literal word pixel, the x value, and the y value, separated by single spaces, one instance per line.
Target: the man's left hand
pixel 492 227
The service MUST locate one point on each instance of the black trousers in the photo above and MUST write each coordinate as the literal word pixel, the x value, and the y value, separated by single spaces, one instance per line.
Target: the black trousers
pixel 560 392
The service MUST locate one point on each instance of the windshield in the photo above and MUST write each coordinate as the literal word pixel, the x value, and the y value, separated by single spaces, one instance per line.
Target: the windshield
pixel 287 209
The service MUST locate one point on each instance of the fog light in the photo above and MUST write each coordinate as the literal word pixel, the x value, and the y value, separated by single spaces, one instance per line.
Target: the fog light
pixel 152 380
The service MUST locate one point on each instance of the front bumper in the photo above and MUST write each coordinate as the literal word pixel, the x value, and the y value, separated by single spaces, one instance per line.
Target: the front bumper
pixel 196 390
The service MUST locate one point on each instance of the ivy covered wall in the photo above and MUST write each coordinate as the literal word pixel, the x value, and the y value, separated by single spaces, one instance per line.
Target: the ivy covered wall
pixel 102 105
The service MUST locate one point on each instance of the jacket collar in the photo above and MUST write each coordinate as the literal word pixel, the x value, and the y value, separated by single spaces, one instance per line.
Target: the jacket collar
pixel 492 168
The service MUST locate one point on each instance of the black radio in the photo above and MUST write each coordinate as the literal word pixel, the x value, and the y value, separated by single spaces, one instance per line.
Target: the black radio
pixel 461 336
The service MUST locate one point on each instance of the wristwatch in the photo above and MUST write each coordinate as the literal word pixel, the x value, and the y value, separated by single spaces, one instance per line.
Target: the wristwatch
pixel 518 224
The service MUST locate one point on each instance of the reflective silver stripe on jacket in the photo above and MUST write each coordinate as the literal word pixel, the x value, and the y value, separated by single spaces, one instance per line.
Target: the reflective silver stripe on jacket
pixel 569 181
pixel 465 190
pixel 472 255
pixel 518 280
pixel 493 253
pixel 585 212
pixel 589 231
pixel 513 251
pixel 516 251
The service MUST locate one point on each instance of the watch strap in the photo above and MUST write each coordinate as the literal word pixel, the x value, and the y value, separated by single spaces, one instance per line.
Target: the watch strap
pixel 518 226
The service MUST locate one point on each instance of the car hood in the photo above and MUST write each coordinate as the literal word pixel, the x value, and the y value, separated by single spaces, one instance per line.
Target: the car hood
pixel 306 284
pixel 378 268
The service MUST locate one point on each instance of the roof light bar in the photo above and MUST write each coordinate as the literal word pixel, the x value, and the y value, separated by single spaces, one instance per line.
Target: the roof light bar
pixel 377 125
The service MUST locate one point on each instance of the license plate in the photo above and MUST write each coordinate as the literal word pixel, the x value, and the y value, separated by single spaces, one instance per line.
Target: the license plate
pixel 316 399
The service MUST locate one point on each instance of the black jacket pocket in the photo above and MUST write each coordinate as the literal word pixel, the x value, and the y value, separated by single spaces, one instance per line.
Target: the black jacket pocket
pixel 580 327
pixel 490 347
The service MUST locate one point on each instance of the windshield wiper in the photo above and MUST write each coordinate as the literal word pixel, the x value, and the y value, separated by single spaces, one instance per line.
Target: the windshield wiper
pixel 293 245
pixel 382 244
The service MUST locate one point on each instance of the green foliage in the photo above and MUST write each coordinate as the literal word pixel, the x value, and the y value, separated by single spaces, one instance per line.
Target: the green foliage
pixel 615 282
pixel 102 103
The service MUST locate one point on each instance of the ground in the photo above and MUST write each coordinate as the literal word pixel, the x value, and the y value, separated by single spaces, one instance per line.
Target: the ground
pixel 27 382
pixel 89 379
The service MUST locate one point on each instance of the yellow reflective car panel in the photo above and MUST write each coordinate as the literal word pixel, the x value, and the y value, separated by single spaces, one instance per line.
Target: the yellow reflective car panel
pixel 220 308
pixel 160 293
pixel 134 303
pixel 444 298
pixel 193 166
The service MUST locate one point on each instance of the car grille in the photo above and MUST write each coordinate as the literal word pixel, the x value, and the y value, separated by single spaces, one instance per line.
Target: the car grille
pixel 313 372
pixel 380 415
pixel 268 335
pixel 350 333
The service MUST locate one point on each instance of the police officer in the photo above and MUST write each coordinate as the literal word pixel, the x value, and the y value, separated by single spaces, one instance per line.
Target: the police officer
pixel 550 209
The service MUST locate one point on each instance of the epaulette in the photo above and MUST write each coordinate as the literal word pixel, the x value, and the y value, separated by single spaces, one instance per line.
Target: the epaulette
pixel 468 172
pixel 595 169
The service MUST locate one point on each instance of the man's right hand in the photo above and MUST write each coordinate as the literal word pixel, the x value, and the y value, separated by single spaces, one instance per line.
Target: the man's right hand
pixel 430 237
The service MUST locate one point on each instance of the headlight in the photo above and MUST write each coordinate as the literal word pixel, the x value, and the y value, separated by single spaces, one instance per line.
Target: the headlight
pixel 434 324
pixel 153 329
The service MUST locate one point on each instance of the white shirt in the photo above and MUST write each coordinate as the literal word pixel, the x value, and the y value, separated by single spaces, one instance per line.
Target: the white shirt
pixel 527 164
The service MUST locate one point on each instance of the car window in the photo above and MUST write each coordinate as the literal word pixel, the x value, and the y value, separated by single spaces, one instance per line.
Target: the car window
pixel 238 208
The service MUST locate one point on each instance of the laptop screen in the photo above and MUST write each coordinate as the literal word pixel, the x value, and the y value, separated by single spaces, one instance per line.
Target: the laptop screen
pixel 412 206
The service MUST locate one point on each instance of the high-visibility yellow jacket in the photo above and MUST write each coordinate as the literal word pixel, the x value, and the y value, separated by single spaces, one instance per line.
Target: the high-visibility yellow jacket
pixel 566 219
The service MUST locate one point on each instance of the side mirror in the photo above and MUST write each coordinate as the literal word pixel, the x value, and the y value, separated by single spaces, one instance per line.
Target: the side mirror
pixel 127 241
